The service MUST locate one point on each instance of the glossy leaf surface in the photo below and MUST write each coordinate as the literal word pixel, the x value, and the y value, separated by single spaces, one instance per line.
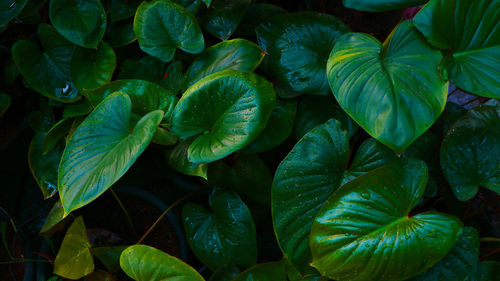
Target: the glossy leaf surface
pixel 381 5
pixel 393 90
pixel 468 33
pixel 226 233
pixel 223 16
pixel 144 263
pixel 470 153
pixel 229 109
pixel 91 69
pixel 47 72
pixel 102 149
pixel 82 22
pixel 364 230
pixel 297 47
pixel 162 26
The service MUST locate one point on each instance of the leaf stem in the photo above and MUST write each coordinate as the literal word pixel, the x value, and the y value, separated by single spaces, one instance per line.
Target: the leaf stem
pixel 124 210
pixel 490 239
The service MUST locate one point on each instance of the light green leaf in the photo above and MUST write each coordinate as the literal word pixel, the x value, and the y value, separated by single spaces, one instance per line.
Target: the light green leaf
pixel 223 16
pixel 392 90
pixel 468 33
pixel 91 69
pixel 270 271
pixel 74 260
pixel 226 233
pixel 102 149
pixel 381 5
pixel 161 26
pixel 297 47
pixel 365 232
pixel 82 22
pixel 229 109
pixel 144 263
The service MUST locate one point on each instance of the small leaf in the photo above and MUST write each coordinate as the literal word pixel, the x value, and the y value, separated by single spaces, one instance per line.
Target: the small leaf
pixel 223 16
pixel 74 260
pixel 270 271
pixel 102 149
pixel 144 263
pixel 224 234
pixel 177 158
pixel 82 22
pixel 55 216
pixel 162 26
pixel 229 109
pixel 381 5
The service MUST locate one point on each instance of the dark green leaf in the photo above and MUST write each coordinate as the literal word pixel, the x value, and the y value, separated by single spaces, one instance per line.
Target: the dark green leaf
pixel 270 271
pixel 109 256
pixel 177 158
pixel 121 33
pixel 147 68
pixel 121 9
pixel 392 90
pixel 224 234
pixel 381 5
pixel 53 136
pixel 256 14
pixel 82 22
pixel 225 273
pixel 91 69
pixel 9 9
pixel 55 216
pixel 173 77
pixel 80 108
pixel 365 232
pixel 488 271
pixel 5 101
pixel 162 26
pixel 44 166
pixel 229 109
pixel 223 16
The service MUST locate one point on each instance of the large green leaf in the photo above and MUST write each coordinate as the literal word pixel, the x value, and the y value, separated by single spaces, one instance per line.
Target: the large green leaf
pixel 161 26
pixel 44 166
pixel 47 72
pixel 229 109
pixel 365 231
pixel 74 259
pixel 468 33
pixel 224 234
pixel 470 152
pixel 381 5
pixel 270 271
pixel 9 9
pixel 144 263
pixel 82 22
pixel 91 69
pixel 297 47
pixel 304 180
pixel 223 16
pixel 278 128
pixel 238 54
pixel 392 90
pixel 102 149
pixel 460 263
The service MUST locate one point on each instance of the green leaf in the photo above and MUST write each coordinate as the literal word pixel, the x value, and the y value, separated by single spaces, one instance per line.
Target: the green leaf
pixel 120 9
pixel 91 69
pixel 102 149
pixel 54 135
pixel 468 33
pixel 5 101
pixel 224 234
pixel 256 14
pixel 248 175
pixel 381 5
pixel 225 273
pixel 488 271
pixel 223 16
pixel 47 72
pixel 315 110
pixel 173 77
pixel 9 9
pixel 270 271
pixel 144 263
pixel 207 2
pixel 147 68
pixel 297 47
pixel 237 54
pixel 163 136
pixel 109 256
pixel 82 22
pixel 55 216
pixel 74 260
pixel 393 90
pixel 120 33
pixel 460 263
pixel 44 166
pixel 177 158
pixel 365 232
pixel 304 180
pixel 162 26
pixel 80 108
pixel 229 109
pixel 470 153
pixel 278 128
pixel 190 5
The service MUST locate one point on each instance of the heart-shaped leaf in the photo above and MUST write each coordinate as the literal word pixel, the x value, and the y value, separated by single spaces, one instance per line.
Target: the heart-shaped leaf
pixel 365 232
pixel 47 72
pixel 82 22
pixel 381 5
pixel 102 149
pixel 470 152
pixel 297 47
pixel 9 9
pixel 74 260
pixel 161 26
pixel 460 263
pixel 468 33
pixel 144 263
pixel 224 234
pixel 393 90
pixel 270 271
pixel 304 180
pixel 229 109
pixel 238 54
pixel 222 17
pixel 91 69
